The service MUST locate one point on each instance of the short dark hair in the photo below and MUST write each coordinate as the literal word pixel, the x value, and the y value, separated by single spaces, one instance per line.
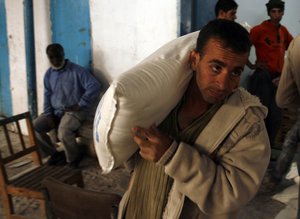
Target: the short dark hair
pixel 231 34
pixel 55 47
pixel 275 4
pixel 225 5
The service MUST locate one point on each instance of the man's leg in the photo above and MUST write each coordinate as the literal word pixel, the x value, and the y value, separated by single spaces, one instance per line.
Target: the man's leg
pixel 69 124
pixel 287 153
pixel 42 125
pixel 260 85
pixel 274 118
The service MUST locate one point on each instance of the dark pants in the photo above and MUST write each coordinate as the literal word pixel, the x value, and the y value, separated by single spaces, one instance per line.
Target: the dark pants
pixel 260 85
pixel 288 151
pixel 286 157
pixel 66 126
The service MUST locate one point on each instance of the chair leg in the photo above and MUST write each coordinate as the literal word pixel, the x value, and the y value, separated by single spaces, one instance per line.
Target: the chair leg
pixel 7 203
pixel 43 208
pixel 47 205
pixel 80 182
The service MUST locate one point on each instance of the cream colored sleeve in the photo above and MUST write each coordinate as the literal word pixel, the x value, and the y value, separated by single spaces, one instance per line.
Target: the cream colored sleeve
pixel 287 95
pixel 230 182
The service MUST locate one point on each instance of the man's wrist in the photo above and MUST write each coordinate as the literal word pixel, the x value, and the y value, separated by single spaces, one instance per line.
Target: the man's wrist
pixel 168 155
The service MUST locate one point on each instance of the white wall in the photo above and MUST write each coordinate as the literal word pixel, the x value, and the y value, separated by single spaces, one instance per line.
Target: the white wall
pixel 16 50
pixel 42 32
pixel 254 12
pixel 125 32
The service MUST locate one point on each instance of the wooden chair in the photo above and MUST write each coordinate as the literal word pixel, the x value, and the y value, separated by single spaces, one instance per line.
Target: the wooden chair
pixel 69 202
pixel 19 150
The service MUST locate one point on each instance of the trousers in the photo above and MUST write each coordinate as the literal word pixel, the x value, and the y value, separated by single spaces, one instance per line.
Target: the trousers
pixel 66 128
pixel 288 151
pixel 261 85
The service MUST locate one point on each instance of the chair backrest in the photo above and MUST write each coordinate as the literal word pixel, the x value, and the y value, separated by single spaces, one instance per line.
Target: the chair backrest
pixel 66 201
pixel 16 152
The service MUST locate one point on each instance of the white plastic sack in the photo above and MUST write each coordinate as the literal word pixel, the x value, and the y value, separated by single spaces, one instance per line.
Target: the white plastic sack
pixel 142 96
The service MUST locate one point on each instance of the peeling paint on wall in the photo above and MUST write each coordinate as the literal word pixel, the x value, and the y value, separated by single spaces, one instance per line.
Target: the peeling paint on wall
pixel 71 28
pixel 5 93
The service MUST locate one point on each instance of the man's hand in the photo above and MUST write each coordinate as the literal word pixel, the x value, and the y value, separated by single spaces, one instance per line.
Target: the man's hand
pixel 261 65
pixel 275 81
pixel 153 144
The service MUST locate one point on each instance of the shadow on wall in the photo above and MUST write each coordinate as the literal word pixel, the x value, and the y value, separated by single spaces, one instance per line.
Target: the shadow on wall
pixel 105 82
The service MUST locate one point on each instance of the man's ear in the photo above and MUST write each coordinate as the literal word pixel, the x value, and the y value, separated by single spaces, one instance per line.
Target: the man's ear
pixel 194 59
pixel 221 14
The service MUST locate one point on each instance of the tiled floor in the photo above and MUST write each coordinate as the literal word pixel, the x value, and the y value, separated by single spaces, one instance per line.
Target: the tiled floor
pixel 266 205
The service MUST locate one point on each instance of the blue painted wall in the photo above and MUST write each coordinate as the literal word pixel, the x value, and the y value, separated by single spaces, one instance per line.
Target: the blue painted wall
pixel 205 12
pixel 71 27
pixel 5 92
pixel 30 57
pixel 195 14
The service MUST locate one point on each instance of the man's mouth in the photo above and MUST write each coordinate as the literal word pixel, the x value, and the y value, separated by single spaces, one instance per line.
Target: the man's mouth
pixel 217 94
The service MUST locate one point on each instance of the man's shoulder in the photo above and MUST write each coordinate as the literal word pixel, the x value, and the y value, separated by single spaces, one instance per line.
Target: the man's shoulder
pixel 259 27
pixel 243 99
pixel 246 98
pixel 284 28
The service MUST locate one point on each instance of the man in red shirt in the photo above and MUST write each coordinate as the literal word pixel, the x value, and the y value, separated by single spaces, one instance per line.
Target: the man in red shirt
pixel 271 40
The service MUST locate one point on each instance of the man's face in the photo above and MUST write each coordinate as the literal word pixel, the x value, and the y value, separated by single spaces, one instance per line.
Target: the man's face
pixel 276 15
pixel 217 71
pixel 229 15
pixel 56 59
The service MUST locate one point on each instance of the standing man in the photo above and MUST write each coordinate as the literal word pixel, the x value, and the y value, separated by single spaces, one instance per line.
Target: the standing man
pixel 270 39
pixel 209 155
pixel 226 9
pixel 288 96
pixel 69 92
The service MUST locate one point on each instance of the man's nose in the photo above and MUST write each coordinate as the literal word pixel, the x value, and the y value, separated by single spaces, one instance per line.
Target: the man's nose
pixel 277 13
pixel 223 80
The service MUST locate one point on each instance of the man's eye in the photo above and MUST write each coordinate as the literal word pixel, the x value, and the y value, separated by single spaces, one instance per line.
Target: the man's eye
pixel 236 73
pixel 216 68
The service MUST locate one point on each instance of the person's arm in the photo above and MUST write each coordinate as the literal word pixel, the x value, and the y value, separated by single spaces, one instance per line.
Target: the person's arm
pixel 287 94
pixel 92 90
pixel 233 179
pixel 48 109
pixel 216 186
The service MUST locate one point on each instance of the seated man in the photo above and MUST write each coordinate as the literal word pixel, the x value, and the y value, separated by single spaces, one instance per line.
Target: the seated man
pixel 69 92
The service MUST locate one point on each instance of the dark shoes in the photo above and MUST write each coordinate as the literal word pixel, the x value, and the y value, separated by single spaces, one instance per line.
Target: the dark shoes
pixel 58 158
pixel 75 163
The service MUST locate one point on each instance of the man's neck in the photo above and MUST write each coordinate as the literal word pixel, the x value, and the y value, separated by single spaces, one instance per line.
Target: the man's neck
pixel 61 67
pixel 276 23
pixel 194 99
pixel 193 105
